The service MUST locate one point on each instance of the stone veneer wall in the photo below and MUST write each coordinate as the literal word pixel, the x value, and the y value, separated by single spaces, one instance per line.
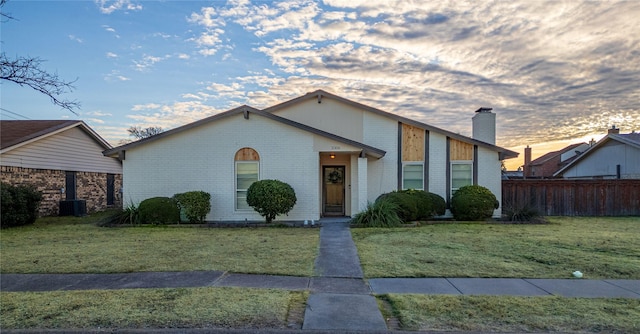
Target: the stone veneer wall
pixel 90 186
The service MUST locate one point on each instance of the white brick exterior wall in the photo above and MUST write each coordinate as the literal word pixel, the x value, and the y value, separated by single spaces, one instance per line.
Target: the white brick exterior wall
pixel 489 175
pixel 203 159
pixel 438 164
pixel 381 132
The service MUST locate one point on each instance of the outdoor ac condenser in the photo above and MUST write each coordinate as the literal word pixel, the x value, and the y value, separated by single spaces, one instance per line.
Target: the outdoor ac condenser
pixel 75 207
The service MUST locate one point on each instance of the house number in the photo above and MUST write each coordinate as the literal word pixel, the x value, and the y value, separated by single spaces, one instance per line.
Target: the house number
pixel 335 147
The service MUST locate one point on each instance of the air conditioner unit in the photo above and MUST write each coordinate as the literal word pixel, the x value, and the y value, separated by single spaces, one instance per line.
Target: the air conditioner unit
pixel 75 207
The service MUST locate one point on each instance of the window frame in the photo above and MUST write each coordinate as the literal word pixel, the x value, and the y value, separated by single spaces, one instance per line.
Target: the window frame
pixel 461 162
pixel 235 180
pixel 413 163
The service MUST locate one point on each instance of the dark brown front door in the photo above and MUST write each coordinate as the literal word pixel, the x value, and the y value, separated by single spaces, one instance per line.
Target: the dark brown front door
pixel 333 186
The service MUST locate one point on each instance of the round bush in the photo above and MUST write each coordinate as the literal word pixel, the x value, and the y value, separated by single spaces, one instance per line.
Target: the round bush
pixel 438 204
pixel 159 210
pixel 428 204
pixel 407 205
pixel 473 203
pixel 195 205
pixel 19 205
pixel 271 198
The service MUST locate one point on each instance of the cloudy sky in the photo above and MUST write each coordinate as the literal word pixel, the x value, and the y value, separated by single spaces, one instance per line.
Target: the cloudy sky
pixel 555 72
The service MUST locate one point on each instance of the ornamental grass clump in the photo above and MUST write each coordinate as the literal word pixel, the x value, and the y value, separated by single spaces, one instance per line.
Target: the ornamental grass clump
pixel 522 213
pixel 271 198
pixel 406 204
pixel 473 203
pixel 378 214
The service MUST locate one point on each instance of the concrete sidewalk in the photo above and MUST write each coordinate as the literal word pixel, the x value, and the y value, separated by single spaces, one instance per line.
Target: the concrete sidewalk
pixel 586 288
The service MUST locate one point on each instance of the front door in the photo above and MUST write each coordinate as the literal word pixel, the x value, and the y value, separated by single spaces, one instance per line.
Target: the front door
pixel 333 186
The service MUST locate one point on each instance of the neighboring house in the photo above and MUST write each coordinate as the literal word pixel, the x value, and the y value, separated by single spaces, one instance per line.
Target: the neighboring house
pixel 547 165
pixel 63 160
pixel 337 154
pixel 616 156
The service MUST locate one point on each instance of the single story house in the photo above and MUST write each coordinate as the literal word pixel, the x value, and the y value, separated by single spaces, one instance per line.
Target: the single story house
pixel 615 156
pixel 63 159
pixel 337 154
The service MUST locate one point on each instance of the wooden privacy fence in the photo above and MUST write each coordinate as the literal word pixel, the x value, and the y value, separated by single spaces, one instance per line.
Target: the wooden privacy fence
pixel 574 197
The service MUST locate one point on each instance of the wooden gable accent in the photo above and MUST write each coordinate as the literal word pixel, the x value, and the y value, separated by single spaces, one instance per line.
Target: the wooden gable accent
pixel 247 154
pixel 412 143
pixel 461 150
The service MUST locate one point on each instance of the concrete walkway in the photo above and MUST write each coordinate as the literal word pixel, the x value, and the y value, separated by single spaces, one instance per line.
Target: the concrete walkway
pixel 349 305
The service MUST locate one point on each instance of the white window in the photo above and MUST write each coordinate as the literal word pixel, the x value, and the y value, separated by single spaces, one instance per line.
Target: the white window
pixel 461 175
pixel 413 175
pixel 247 172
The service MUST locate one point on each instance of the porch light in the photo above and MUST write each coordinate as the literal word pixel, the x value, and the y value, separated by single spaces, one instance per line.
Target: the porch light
pixel 332 155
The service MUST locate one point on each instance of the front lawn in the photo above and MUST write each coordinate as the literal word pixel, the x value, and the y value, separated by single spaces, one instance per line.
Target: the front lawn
pixel 515 314
pixel 598 247
pixel 77 245
pixel 152 308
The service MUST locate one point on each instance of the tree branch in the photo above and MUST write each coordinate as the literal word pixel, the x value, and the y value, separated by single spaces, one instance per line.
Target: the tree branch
pixel 26 71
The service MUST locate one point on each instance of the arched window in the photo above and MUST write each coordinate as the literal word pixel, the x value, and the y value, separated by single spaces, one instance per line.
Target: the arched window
pixel 247 166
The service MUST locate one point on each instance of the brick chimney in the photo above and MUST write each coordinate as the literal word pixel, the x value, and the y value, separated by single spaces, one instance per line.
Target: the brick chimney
pixel 484 126
pixel 614 130
pixel 526 171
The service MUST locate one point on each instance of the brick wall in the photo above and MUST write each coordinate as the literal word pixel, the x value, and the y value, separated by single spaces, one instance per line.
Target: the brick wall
pixel 91 187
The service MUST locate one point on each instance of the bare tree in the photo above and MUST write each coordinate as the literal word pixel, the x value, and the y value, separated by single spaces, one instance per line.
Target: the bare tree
pixel 140 133
pixel 27 71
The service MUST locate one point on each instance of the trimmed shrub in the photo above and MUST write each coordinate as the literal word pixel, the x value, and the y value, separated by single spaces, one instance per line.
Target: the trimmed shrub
pixel 195 205
pixel 378 214
pixel 439 206
pixel 271 198
pixel 473 203
pixel 159 210
pixel 414 205
pixel 19 205
pixel 407 205
pixel 428 204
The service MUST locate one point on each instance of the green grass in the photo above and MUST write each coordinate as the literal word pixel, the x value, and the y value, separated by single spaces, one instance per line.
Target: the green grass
pixel 77 245
pixel 150 308
pixel 599 247
pixel 515 314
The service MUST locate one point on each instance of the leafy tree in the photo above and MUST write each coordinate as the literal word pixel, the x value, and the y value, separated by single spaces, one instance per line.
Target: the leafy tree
pixel 28 71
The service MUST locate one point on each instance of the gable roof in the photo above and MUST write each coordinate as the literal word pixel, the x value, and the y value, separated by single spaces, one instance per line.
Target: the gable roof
pixel 247 111
pixel 14 134
pixel 548 156
pixel 632 139
pixel 319 94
